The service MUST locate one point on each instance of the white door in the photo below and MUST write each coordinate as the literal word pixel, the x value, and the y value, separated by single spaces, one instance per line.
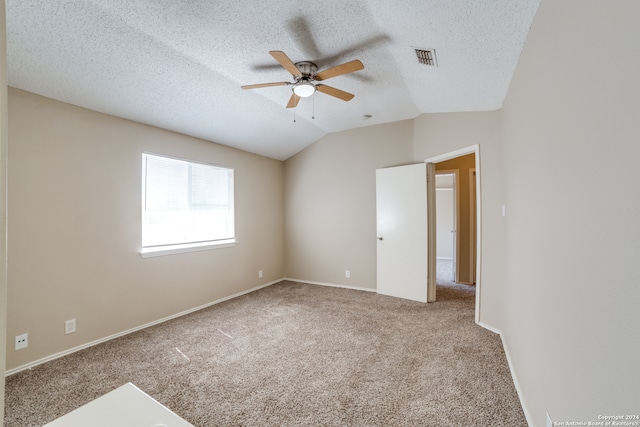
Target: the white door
pixel 403 233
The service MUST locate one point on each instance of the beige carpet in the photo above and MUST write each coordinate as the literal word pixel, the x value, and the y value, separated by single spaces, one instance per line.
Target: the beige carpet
pixel 295 354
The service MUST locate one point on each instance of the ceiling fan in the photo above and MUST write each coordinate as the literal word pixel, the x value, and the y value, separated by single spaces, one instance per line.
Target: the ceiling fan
pixel 305 74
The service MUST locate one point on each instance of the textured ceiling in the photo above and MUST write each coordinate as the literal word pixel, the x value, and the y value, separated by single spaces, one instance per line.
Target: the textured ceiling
pixel 179 65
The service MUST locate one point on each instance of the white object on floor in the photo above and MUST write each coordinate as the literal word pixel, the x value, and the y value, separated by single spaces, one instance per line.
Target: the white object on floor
pixel 126 406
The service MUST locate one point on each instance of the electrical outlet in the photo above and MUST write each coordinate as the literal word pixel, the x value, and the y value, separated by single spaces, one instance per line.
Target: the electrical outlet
pixel 260 274
pixel 347 274
pixel 69 326
pixel 22 341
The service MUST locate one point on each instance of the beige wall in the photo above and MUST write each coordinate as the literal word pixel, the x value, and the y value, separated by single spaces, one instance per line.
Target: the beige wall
pixel 3 200
pixel 74 228
pixel 571 116
pixel 331 205
pixel 463 165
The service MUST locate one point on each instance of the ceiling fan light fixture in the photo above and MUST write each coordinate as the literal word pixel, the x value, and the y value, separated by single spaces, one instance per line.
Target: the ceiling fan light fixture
pixel 304 89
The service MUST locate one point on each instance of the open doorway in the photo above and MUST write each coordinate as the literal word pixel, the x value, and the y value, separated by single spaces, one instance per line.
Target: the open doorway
pixel 464 241
pixel 467 230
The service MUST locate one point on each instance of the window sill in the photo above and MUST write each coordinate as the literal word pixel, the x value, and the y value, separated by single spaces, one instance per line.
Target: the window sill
pixel 190 247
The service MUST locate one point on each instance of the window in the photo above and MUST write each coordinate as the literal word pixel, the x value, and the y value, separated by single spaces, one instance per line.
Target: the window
pixel 185 205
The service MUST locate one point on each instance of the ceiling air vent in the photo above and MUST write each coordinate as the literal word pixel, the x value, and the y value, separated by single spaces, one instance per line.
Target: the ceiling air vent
pixel 427 57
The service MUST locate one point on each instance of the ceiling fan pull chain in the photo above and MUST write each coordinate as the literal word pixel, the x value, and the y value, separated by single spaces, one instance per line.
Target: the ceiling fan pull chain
pixel 313 104
pixel 294 114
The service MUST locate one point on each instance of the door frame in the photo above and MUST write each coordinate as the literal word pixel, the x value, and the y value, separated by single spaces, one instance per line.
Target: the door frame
pixel 473 246
pixel 473 149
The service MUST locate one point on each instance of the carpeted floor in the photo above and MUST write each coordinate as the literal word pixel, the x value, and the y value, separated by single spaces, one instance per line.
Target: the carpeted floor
pixel 294 354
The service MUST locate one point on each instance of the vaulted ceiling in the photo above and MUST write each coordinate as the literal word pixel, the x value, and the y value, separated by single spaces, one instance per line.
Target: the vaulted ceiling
pixel 179 65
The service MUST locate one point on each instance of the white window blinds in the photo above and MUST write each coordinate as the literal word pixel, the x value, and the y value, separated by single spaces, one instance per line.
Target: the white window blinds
pixel 185 202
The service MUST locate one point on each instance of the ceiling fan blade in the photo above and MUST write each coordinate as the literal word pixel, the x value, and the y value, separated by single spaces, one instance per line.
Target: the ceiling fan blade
pixel 284 60
pixel 259 85
pixel 345 96
pixel 300 33
pixel 293 101
pixel 346 68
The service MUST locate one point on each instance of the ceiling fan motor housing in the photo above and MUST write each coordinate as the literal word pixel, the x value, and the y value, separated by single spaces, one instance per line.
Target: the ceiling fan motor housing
pixel 308 70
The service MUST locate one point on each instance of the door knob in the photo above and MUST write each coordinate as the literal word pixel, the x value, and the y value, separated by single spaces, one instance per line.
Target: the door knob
pixel 379 238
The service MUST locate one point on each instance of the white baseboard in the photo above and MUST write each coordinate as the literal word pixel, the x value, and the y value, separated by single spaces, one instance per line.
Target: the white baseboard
pixel 332 285
pixel 491 328
pixel 516 383
pixel 120 334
